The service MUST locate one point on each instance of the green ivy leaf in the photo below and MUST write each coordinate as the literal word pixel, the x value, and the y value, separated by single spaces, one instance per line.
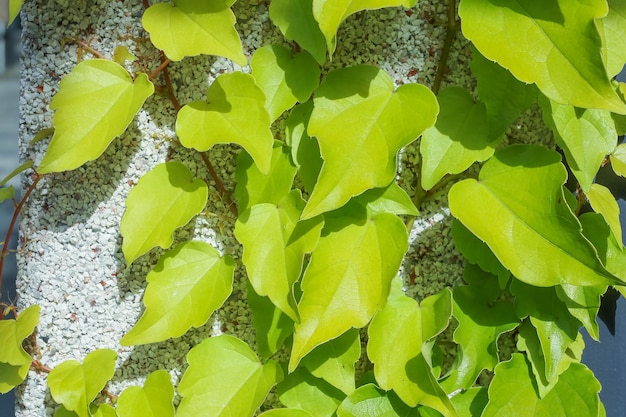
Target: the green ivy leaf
pixel 360 124
pixel 530 227
pixel 391 199
pixel 504 96
pixel 7 193
pixel 96 102
pixel 284 78
pixel 483 316
pixel 402 328
pixel 478 253
pixel 254 187
pixel 612 29
pixel 225 378
pixel 334 360
pixel 103 410
pixel 295 20
pixel 556 328
pixel 330 13
pixel 123 54
pixel 305 151
pixel 583 303
pixel 586 137
pixel 370 401
pixel 459 137
pixel 163 200
pixel 14 360
pixel 188 283
pixel 302 390
pixel 603 203
pixel 17 171
pixel 348 278
pixel 512 392
pixel 75 385
pixel 190 28
pixel 233 113
pixel 555 46
pixel 618 160
pixel 153 400
pixel 272 325
pixel 275 243
pixel 471 402
pixel 286 412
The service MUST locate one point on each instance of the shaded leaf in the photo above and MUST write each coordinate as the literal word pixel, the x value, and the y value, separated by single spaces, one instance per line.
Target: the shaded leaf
pixel 530 228
pixel 225 378
pixel 618 160
pixel 17 171
pixel 190 27
pixel 459 137
pixel 295 20
pixel 95 103
pixel 14 360
pixel 612 29
pixel 14 10
pixel 234 112
pixel 154 399
pixel 305 151
pixel 123 54
pixel 512 392
pixel 360 123
pixel 583 303
pixel 603 202
pixel 347 279
pixel 163 200
pixel 7 193
pixel 471 402
pixel 75 385
pixel 554 45
pixel 272 326
pixel 586 137
pixel 284 78
pixel 300 389
pixel 188 283
pixel 370 401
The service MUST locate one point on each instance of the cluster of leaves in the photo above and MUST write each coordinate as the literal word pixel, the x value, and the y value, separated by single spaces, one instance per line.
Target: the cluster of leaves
pixel 322 268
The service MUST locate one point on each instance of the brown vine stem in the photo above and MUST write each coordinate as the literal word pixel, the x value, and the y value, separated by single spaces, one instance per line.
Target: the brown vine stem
pixel 86 47
pixel 218 183
pixel 16 213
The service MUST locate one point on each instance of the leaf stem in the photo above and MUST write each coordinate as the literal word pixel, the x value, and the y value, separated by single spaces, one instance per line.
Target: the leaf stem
pixel 86 47
pixel 451 30
pixel 157 71
pixel 16 213
pixel 218 183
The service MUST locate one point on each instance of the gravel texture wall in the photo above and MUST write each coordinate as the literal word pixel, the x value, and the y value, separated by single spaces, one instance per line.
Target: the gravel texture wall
pixel 70 260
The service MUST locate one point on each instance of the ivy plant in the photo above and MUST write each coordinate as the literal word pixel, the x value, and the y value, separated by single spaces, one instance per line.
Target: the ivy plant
pixel 324 225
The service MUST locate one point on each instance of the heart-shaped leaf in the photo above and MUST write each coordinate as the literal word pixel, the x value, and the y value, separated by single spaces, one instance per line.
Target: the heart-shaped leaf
pixel 459 137
pixel 14 360
pixel 284 78
pixel 347 279
pixel 163 200
pixel 585 135
pixel 225 378
pixel 530 227
pixel 275 243
pixel 154 399
pixel 233 113
pixel 191 27
pixel 361 123
pixel 295 20
pixel 184 288
pixel 96 102
pixel 75 385
pixel 554 45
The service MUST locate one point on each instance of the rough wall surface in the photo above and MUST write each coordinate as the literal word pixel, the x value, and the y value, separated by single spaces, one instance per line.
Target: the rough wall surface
pixel 70 260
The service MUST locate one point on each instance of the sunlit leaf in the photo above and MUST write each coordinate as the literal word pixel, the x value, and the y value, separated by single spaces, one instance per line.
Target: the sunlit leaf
pixel 302 390
pixel 603 202
pixel 7 193
pixel 512 392
pixel 347 279
pixel 583 303
pixel 612 29
pixel 75 385
pixel 286 412
pixel 188 283
pixel 334 360
pixel 391 199
pixel 586 137
pixel 552 44
pixel 225 378
pixel 504 96
pixel 459 137
pixel 96 102
pixel 330 13
pixel 371 401
pixel 123 54
pixel 14 360
pixel 361 123
pixel 618 160
pixel 154 399
pixel 191 27
pixel 529 227
pixel 14 10
pixel 611 252
pixel 471 402
pixel 163 200
pixel 295 20
pixel 275 242
pixel 402 328
pixel 284 78
pixel 234 112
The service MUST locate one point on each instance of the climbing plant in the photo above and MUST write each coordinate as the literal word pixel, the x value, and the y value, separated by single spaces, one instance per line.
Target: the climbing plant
pixel 322 256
